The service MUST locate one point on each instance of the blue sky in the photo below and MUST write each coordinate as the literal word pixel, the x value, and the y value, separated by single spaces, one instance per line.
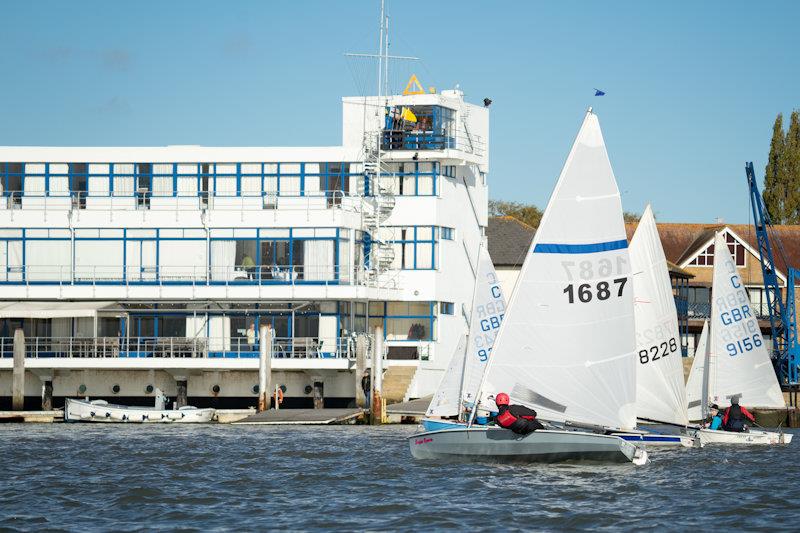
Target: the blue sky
pixel 692 87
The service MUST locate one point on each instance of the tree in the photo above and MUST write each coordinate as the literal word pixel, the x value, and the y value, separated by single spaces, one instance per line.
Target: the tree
pixel 630 216
pixel 782 174
pixel 775 174
pixel 529 214
pixel 792 166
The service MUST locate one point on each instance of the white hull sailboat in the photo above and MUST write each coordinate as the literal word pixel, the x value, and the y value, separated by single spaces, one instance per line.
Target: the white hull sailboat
pixel 736 363
pixel 566 344
pixel 496 444
pixel 102 411
pixel 459 386
pixel 660 392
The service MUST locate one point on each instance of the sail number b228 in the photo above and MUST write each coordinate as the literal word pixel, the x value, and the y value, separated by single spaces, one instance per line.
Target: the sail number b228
pixel 586 292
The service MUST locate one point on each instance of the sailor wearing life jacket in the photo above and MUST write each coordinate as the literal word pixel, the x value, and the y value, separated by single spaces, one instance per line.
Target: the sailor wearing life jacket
pixel 517 418
pixel 736 416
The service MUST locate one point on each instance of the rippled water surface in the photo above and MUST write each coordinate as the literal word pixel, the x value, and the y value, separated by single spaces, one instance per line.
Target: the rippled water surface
pixel 124 478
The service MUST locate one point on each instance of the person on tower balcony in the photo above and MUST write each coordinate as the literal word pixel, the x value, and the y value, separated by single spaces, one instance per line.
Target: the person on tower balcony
pixel 517 418
pixel 735 417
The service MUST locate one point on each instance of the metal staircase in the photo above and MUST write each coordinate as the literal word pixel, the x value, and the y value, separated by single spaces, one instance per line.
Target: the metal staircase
pixel 378 203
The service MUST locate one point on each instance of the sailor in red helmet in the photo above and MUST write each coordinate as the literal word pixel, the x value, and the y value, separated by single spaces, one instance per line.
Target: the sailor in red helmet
pixel 517 418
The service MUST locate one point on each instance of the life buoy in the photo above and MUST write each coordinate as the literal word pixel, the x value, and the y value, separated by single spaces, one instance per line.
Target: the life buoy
pixel 278 396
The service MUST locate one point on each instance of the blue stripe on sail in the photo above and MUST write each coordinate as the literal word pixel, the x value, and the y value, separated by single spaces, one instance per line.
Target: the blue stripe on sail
pixel 580 248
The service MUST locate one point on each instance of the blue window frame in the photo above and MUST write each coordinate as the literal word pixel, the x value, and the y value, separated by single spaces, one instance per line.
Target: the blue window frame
pixel 415 247
pixel 448 234
pixel 404 321
pixel 447 308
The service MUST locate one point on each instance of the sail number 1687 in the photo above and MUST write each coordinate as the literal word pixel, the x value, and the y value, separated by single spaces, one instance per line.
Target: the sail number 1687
pixel 602 291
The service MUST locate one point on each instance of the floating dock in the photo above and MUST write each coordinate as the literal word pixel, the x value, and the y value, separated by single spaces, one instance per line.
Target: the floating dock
pixel 318 417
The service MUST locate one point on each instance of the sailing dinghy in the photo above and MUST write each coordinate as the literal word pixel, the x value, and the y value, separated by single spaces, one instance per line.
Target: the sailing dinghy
pixel 660 391
pixel 566 344
pixel 459 386
pixel 737 363
pixel 696 386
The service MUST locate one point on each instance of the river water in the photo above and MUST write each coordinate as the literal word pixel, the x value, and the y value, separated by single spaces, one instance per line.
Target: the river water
pixel 80 477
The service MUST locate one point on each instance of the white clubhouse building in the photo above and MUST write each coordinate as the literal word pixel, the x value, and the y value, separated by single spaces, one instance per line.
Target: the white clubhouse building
pixel 131 269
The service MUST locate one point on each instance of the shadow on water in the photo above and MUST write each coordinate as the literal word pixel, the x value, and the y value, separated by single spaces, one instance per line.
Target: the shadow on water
pixel 128 478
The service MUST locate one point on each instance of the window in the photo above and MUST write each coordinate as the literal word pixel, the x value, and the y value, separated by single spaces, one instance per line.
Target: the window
pixel 706 257
pixel 144 177
pixel 414 248
pixel 11 183
pixel 699 301
pixel 758 299
pixel 446 308
pixel 79 183
pixel 449 171
pixel 404 321
pixel 448 234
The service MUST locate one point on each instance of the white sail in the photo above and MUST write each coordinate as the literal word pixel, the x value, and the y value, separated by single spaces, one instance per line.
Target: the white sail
pixel 740 364
pixel 566 346
pixel 660 389
pixel 488 309
pixel 468 363
pixel 445 400
pixel 695 384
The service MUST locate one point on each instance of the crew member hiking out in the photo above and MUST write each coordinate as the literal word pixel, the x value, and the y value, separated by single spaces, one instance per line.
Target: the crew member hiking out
pixel 736 416
pixel 517 418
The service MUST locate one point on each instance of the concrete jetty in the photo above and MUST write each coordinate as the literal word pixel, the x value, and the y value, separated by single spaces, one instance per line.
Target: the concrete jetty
pixel 303 417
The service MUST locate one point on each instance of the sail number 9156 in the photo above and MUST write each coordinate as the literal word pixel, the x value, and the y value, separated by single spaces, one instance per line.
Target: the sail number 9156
pixel 602 291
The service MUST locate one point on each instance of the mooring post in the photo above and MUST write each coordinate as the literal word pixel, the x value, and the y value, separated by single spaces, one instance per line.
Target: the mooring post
pixel 18 377
pixel 377 377
pixel 361 365
pixel 319 395
pixel 182 398
pixel 264 367
pixel 47 395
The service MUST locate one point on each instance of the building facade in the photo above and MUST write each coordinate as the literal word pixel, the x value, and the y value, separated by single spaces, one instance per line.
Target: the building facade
pixel 130 269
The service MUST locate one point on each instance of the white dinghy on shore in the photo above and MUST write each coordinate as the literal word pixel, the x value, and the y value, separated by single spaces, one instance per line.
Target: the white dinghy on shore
pixel 566 345
pixel 736 363
pixel 102 411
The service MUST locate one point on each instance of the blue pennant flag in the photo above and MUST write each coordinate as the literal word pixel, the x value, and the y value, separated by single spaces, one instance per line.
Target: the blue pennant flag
pixel 598 92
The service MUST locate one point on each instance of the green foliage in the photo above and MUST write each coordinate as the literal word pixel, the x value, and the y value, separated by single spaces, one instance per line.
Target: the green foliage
pixel 782 174
pixel 529 214
pixel 532 215
pixel 630 216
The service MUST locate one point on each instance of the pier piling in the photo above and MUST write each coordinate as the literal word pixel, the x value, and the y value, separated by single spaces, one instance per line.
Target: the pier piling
pixel 377 377
pixel 182 398
pixel 361 366
pixel 319 395
pixel 264 367
pixel 47 395
pixel 18 378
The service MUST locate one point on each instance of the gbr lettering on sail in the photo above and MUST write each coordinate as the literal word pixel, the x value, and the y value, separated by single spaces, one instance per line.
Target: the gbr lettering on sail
pixel 739 329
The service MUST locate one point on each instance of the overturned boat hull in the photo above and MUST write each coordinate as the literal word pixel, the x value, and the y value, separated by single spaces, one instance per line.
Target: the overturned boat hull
pixel 752 437
pixel 100 411
pixel 544 446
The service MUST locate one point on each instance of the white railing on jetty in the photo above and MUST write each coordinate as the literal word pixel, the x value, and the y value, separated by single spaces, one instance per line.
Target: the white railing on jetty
pixel 180 347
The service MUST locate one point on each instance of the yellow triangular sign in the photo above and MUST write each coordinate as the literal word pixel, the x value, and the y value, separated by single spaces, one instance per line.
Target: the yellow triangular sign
pixel 414 86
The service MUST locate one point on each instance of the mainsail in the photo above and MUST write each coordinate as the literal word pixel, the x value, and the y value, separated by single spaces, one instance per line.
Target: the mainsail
pixel 463 376
pixel 660 390
pixel 696 386
pixel 566 346
pixel 740 365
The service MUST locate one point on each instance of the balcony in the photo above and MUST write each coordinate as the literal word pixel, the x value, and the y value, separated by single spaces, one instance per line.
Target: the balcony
pixel 179 347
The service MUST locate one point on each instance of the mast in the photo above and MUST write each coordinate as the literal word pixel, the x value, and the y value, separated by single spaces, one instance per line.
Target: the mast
pixel 469 332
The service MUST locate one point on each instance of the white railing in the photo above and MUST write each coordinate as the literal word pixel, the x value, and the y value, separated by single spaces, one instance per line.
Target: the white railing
pixel 183 274
pixel 147 201
pixel 234 347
